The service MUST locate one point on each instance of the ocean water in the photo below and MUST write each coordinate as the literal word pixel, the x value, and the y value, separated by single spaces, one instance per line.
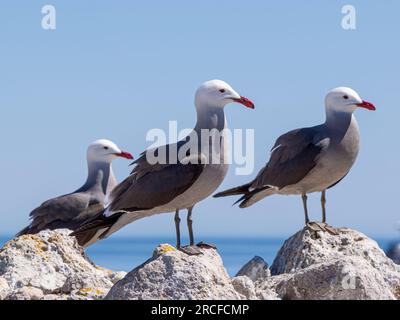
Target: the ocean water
pixel 126 253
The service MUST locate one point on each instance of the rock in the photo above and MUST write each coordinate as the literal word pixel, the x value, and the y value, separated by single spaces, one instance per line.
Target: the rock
pixel 51 264
pixel 173 275
pixel 267 294
pixel 341 279
pixel 394 253
pixel 26 293
pixel 255 269
pixel 320 265
pixel 310 265
pixel 4 288
pixel 53 297
pixel 245 286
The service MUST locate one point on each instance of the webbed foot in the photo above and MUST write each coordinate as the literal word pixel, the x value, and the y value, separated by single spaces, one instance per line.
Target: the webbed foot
pixel 321 226
pixel 204 245
pixel 191 250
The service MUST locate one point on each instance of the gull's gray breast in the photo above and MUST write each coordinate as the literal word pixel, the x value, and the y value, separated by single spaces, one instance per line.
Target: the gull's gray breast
pixel 210 179
pixel 332 165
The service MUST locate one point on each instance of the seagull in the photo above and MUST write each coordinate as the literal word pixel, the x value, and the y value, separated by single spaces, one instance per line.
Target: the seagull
pixel 199 165
pixel 71 210
pixel 311 159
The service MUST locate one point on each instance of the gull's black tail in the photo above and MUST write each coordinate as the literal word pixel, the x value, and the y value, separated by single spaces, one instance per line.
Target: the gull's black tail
pixel 249 195
pixel 94 228
pixel 234 191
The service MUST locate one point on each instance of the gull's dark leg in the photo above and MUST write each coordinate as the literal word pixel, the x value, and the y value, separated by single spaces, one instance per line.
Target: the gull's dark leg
pixel 191 236
pixel 323 204
pixel 318 226
pixel 191 250
pixel 177 228
pixel 327 227
pixel 190 225
pixel 304 197
pixel 201 244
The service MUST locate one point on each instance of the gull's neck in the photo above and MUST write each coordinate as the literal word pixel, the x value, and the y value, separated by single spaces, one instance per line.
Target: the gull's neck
pixel 100 177
pixel 338 123
pixel 209 117
pixel 210 132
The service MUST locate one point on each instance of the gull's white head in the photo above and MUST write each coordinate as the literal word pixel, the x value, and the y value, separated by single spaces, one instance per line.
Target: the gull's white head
pixel 217 93
pixel 345 100
pixel 105 151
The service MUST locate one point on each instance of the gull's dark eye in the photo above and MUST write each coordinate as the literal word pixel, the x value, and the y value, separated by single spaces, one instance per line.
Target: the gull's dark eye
pixel 222 90
pixel 105 148
pixel 345 96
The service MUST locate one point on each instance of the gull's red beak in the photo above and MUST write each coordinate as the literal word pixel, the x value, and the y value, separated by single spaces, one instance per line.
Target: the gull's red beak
pixel 246 102
pixel 366 105
pixel 125 155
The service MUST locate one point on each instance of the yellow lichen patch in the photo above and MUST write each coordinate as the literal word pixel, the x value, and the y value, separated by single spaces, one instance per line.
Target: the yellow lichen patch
pixel 85 291
pixel 99 292
pixel 39 246
pixel 34 241
pixel 25 237
pixel 164 248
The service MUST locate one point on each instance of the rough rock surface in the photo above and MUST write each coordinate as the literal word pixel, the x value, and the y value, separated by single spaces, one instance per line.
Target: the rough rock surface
pixel 341 279
pixel 171 275
pixel 246 287
pixel 310 265
pixel 4 288
pixel 255 269
pixel 319 265
pixel 51 265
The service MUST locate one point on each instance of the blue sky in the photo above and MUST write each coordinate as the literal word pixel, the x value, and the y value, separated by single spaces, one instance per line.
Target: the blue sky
pixel 117 69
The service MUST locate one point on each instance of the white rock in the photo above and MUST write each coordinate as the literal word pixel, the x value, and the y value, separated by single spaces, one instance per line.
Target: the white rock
pixel 318 265
pixel 255 269
pixel 310 265
pixel 343 279
pixel 52 263
pixel 26 293
pixel 246 287
pixel 173 275
pixel 4 288
pixel 54 297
